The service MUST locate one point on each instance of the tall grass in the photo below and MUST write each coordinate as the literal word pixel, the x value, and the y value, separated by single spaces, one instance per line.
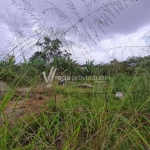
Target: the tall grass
pixel 81 121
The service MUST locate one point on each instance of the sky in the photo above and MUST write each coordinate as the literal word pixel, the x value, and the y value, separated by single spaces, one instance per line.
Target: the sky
pixel 99 30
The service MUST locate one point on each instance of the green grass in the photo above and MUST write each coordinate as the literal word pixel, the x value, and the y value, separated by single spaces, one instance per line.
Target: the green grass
pixel 84 120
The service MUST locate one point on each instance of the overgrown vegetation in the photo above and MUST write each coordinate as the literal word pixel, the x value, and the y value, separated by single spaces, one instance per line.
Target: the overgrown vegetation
pixel 84 119
pixel 53 56
pixel 74 118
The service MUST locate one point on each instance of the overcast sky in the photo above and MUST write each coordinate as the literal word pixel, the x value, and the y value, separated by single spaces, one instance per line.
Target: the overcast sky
pixel 109 29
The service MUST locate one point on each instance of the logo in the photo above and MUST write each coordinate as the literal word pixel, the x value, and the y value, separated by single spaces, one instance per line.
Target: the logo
pixel 51 75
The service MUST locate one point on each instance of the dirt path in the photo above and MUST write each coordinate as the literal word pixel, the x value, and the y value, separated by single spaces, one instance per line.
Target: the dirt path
pixel 17 109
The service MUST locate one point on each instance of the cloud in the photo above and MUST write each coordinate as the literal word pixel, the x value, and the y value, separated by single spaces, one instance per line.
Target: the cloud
pixel 122 47
pixel 85 38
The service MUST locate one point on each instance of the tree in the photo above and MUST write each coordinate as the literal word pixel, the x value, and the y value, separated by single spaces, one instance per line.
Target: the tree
pixel 89 68
pixel 51 54
pixel 39 55
pixel 50 49
pixel 7 69
pixel 65 65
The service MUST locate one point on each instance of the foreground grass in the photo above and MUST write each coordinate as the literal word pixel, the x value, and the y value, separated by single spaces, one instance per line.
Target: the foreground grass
pixel 82 119
pixel 78 130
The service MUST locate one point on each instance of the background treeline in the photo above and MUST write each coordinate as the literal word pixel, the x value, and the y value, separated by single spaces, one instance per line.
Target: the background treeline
pixel 53 54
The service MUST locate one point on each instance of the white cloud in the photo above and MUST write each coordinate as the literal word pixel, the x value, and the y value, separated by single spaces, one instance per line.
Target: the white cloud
pixel 121 47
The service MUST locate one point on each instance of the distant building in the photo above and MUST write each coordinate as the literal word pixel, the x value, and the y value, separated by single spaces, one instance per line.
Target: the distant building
pixel 83 67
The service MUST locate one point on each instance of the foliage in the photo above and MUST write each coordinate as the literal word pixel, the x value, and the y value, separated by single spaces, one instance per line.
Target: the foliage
pixel 50 49
pixel 81 121
pixel 7 70
pixel 65 65
pixel 89 68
